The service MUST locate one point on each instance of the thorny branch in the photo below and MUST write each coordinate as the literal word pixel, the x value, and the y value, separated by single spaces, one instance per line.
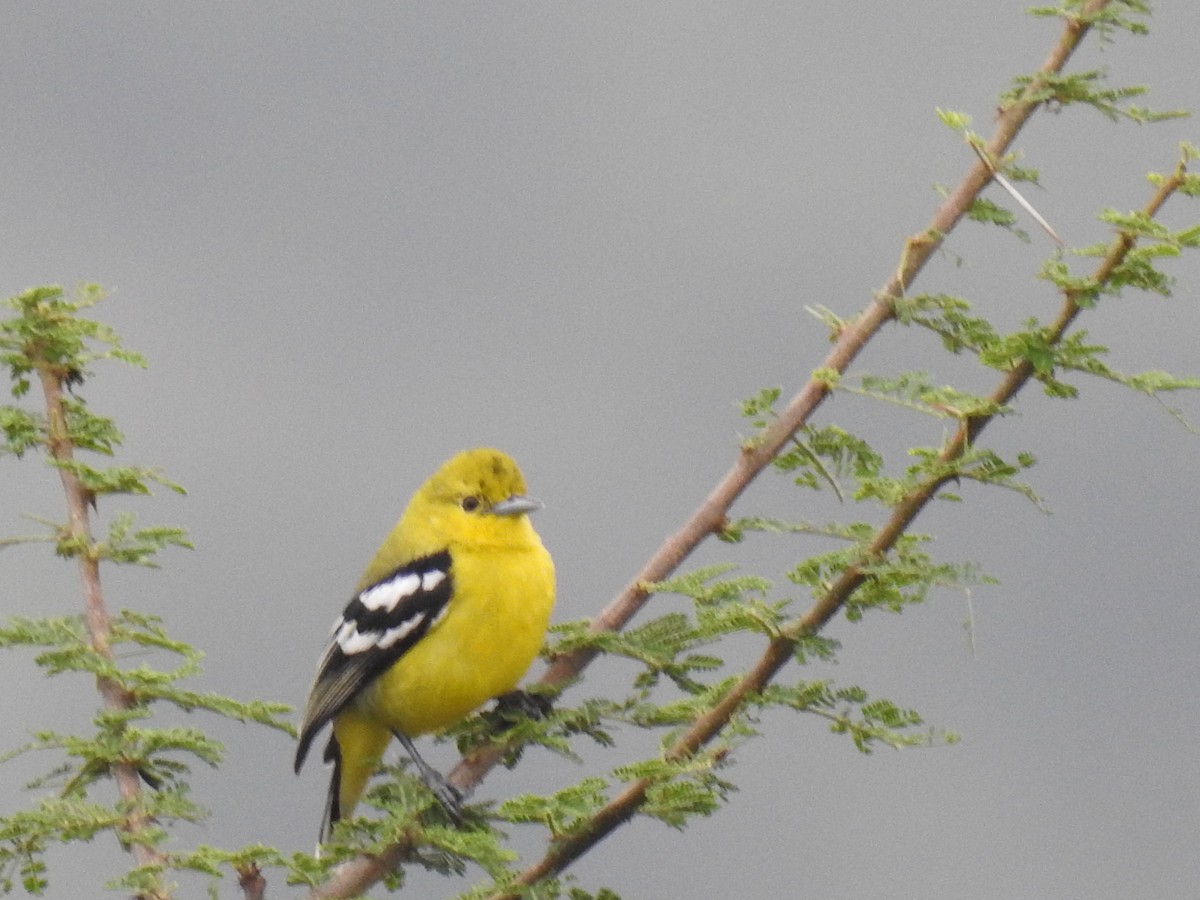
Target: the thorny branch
pixel 779 650
pixel 99 625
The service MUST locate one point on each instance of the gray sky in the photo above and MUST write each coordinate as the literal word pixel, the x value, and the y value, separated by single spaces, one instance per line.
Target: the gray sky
pixel 353 239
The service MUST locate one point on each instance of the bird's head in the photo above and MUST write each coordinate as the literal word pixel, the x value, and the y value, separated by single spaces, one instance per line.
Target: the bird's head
pixel 476 497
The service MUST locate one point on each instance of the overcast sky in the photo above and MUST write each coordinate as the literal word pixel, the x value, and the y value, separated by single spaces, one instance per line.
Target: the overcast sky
pixel 353 239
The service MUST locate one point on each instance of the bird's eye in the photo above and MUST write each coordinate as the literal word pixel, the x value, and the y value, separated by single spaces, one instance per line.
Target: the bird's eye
pixel 470 504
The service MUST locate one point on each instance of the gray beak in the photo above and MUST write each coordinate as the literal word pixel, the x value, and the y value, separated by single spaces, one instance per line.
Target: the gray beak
pixel 516 505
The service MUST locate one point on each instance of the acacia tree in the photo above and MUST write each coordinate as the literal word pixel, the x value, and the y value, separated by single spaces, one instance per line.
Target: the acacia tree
pixel 683 691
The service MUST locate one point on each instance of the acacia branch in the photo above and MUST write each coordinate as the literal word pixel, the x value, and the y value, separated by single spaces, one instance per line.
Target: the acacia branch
pixel 53 377
pixel 251 881
pixel 712 514
pixel 780 649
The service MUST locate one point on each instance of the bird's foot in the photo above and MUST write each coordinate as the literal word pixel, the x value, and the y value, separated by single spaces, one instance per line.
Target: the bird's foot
pixel 447 795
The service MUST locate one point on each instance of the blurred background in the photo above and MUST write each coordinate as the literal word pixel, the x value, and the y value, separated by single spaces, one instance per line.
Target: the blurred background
pixel 354 239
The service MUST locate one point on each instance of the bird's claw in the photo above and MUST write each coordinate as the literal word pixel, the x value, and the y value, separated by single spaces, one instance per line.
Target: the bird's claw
pixel 447 795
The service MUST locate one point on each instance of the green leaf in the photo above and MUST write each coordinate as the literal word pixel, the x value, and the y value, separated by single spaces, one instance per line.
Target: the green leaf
pixel 564 812
pixel 988 212
pixel 138 547
pixel 22 431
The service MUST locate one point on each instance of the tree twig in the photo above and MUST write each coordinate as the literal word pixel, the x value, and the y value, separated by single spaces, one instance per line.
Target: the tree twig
pixel 99 624
pixel 779 650
pixel 712 514
pixel 252 882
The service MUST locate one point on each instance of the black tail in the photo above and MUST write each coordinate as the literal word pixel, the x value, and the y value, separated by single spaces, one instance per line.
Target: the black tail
pixel 333 806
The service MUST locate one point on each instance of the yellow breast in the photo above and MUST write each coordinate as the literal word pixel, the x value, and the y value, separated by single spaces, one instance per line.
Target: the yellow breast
pixel 493 628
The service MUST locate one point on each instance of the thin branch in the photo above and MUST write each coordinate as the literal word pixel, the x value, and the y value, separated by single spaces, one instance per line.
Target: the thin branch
pixel 252 882
pixel 99 624
pixel 779 651
pixel 710 517
pixel 712 514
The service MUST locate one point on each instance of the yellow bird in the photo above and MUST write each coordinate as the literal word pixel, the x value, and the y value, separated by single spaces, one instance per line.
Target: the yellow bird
pixel 449 614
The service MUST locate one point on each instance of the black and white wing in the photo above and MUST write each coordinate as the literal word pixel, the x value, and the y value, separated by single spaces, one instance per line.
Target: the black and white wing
pixel 376 629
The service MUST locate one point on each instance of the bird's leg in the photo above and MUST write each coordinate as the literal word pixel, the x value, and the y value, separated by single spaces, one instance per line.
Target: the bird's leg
pixel 447 794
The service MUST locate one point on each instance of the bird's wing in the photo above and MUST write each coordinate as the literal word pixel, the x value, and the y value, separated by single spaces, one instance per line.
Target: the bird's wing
pixel 377 627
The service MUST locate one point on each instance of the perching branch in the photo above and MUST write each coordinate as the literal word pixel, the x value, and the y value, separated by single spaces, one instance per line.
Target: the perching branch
pixel 712 514
pixel 780 649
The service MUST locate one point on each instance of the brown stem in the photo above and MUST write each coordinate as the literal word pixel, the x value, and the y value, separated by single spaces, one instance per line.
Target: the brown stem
pixel 99 624
pixel 710 517
pixel 252 882
pixel 779 650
